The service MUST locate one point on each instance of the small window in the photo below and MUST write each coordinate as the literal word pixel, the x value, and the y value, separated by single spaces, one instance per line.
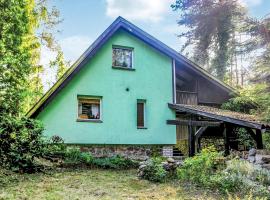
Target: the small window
pixel 141 114
pixel 89 108
pixel 122 57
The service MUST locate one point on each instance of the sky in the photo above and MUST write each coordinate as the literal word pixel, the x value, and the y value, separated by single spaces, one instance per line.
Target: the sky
pixel 85 20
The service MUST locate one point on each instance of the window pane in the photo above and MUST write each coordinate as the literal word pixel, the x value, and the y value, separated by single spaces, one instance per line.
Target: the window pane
pixel 122 57
pixel 140 114
pixel 89 108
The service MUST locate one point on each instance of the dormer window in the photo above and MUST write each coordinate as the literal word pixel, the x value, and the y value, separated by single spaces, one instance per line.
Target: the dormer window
pixel 122 57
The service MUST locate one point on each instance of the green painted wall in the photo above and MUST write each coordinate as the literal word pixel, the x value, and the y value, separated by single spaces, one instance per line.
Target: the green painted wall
pixel 151 80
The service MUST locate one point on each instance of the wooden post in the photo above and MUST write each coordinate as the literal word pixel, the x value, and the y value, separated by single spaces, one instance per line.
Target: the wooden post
pixel 226 132
pixel 191 141
pixel 259 139
pixel 199 145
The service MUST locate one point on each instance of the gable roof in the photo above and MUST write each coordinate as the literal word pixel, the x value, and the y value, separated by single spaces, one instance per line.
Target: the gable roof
pixel 119 23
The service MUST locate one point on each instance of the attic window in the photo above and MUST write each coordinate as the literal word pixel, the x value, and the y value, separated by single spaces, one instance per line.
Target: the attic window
pixel 89 108
pixel 122 57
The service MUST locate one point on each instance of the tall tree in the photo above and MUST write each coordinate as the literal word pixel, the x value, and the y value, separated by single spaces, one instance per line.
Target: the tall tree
pixel 15 63
pixel 59 64
pixel 25 25
pixel 43 20
pixel 259 30
pixel 211 27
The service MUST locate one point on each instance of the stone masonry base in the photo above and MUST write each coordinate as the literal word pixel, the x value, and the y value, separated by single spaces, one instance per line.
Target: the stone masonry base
pixel 136 152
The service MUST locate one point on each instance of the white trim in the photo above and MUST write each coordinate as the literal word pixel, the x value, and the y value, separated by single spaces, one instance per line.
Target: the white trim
pixel 174 81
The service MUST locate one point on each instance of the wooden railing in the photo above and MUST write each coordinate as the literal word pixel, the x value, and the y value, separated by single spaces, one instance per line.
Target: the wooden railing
pixel 186 97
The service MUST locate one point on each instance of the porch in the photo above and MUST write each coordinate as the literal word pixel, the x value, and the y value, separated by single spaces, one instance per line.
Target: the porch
pixel 198 121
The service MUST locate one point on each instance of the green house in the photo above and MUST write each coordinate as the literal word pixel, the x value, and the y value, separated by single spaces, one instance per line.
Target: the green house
pixel 117 93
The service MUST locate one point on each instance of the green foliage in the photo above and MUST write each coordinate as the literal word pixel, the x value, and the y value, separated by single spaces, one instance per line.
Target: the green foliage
pixel 209 170
pixel 154 171
pixel 244 138
pixel 55 148
pixel 240 175
pixel 211 25
pixel 60 64
pixel 21 142
pixel 74 155
pixel 253 99
pixel 239 104
pixel 201 167
pixel 266 140
pixel 114 162
pixel 14 55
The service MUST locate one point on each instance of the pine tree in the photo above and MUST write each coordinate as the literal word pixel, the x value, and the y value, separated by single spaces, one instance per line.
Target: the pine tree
pixel 211 24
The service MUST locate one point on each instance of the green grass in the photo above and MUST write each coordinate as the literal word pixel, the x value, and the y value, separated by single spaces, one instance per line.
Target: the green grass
pixel 93 184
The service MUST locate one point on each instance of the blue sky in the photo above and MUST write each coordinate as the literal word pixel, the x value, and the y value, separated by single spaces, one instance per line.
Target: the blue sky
pixel 85 20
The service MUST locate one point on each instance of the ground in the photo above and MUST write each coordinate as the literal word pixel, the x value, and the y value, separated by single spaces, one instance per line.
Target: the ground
pixel 95 184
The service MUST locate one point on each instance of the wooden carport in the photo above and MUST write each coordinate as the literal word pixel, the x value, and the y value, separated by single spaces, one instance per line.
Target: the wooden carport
pixel 202 117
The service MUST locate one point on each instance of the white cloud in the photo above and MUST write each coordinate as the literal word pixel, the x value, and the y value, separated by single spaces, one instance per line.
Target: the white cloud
pixel 145 10
pixel 74 46
pixel 250 3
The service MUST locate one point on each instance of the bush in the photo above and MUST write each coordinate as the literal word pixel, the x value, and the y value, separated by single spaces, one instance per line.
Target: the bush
pixel 115 162
pixel 207 169
pixel 154 171
pixel 21 142
pixel 246 177
pixel 55 148
pixel 201 167
pixel 75 156
pixel 266 140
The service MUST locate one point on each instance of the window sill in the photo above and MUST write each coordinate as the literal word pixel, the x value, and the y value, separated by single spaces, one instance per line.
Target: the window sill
pixel 123 68
pixel 90 120
pixel 141 127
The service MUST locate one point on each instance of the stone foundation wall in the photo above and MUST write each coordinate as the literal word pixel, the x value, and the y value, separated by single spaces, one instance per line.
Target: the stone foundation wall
pixel 136 152
pixel 167 151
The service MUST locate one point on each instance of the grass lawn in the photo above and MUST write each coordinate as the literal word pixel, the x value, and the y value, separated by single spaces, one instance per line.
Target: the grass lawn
pixel 94 184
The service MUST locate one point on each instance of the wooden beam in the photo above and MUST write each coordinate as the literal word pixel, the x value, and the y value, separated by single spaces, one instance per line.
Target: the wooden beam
pixel 226 132
pixel 191 141
pixel 259 139
pixel 194 123
pixel 200 132
pixel 199 146
pixel 251 133
pixel 215 116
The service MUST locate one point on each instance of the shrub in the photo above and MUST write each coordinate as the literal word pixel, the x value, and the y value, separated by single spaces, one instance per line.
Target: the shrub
pixel 201 167
pixel 75 156
pixel 154 171
pixel 56 148
pixel 207 170
pixel 21 142
pixel 247 177
pixel 114 162
pixel 266 140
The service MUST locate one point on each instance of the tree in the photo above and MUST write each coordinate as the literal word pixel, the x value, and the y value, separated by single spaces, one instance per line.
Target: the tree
pixel 212 25
pixel 44 21
pixel 25 25
pixel 60 64
pixel 15 63
pixel 259 30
